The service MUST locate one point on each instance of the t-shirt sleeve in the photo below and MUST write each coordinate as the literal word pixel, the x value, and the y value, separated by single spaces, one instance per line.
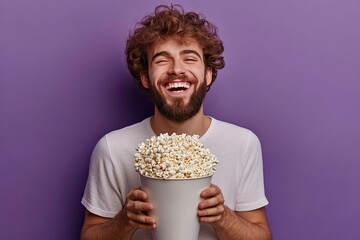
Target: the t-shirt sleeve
pixel 102 196
pixel 251 193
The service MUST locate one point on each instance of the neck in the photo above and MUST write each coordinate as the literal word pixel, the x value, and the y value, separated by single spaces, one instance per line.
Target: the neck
pixel 198 124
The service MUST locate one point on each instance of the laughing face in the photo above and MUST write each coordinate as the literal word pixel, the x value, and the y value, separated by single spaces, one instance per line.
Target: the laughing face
pixel 177 78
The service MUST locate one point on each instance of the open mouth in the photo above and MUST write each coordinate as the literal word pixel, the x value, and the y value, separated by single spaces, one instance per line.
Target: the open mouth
pixel 177 86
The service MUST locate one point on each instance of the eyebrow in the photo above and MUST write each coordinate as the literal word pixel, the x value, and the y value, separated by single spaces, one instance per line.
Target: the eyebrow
pixel 189 51
pixel 183 52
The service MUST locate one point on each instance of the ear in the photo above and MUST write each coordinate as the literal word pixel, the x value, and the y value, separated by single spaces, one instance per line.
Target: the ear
pixel 144 80
pixel 208 76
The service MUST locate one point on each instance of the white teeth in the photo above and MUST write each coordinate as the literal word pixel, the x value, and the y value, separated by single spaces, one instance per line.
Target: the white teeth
pixel 178 85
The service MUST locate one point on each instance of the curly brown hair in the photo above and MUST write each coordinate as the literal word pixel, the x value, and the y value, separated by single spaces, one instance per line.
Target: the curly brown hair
pixel 166 22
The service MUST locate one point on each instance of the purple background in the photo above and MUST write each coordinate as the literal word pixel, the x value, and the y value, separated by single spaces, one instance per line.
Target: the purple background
pixel 292 75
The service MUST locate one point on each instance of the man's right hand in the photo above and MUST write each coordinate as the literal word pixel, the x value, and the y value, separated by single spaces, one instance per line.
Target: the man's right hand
pixel 137 209
pixel 134 215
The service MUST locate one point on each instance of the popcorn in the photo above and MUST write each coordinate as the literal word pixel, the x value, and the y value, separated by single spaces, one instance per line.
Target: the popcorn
pixel 174 157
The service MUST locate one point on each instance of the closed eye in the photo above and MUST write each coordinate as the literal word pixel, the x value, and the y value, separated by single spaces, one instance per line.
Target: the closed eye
pixel 161 61
pixel 190 60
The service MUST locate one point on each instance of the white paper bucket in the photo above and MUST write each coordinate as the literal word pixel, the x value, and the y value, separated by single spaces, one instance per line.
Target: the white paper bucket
pixel 175 206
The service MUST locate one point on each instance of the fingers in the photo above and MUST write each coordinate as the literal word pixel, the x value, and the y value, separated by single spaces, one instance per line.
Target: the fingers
pixel 137 194
pixel 210 215
pixel 212 196
pixel 137 210
pixel 137 206
pixel 136 201
pixel 213 190
pixel 141 220
pixel 212 202
pixel 212 207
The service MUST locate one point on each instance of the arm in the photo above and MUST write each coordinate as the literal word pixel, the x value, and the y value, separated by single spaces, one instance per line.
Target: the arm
pixel 96 227
pixel 124 224
pixel 243 225
pixel 229 224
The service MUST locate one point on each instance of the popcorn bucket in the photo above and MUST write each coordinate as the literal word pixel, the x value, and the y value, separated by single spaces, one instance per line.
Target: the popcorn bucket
pixel 175 206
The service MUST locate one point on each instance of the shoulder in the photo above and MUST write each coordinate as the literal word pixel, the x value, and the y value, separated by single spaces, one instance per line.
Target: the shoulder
pixel 233 132
pixel 129 133
pixel 126 137
pixel 232 137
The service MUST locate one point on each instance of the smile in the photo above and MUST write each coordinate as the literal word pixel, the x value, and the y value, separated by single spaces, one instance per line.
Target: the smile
pixel 177 86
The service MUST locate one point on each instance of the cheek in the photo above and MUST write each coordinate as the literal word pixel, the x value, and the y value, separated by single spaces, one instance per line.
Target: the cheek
pixel 198 70
pixel 157 73
pixel 200 75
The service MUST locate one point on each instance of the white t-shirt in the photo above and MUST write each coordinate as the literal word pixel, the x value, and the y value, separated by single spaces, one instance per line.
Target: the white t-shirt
pixel 239 173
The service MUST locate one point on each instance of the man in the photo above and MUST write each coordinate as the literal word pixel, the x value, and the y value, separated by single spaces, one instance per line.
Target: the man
pixel 175 56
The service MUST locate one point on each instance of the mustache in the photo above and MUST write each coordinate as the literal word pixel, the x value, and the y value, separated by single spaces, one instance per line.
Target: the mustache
pixel 172 78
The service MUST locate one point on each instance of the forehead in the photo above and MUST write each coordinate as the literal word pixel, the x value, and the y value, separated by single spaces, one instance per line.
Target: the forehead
pixel 175 46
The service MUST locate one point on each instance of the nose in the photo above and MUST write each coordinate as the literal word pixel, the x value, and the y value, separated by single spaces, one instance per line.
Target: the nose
pixel 176 68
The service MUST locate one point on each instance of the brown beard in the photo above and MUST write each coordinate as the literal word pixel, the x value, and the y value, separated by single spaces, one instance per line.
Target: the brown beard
pixel 179 111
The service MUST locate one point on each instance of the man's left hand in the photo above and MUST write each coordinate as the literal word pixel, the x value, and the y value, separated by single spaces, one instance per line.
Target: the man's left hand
pixel 211 208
